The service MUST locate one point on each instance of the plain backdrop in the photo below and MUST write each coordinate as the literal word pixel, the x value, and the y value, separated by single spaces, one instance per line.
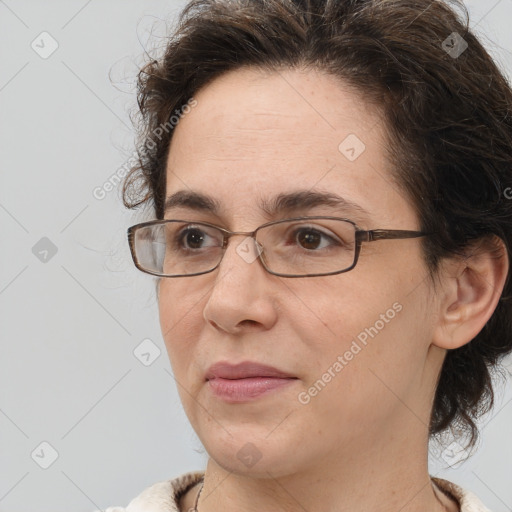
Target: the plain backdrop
pixel 86 420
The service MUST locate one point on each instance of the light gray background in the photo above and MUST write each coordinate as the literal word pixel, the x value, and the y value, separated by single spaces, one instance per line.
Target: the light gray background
pixel 70 325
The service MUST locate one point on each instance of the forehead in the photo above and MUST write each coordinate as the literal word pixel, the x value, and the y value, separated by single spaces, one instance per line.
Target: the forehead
pixel 296 109
pixel 256 134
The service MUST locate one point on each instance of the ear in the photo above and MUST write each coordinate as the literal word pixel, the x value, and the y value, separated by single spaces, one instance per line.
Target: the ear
pixel 471 288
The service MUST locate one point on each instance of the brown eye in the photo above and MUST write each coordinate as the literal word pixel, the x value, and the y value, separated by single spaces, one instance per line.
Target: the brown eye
pixel 196 237
pixel 313 239
pixel 309 239
pixel 193 238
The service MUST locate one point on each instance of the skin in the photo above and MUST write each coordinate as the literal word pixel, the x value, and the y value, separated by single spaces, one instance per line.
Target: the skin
pixel 361 443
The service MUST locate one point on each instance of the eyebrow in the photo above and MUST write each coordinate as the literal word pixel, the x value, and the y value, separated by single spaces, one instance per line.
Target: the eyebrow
pixel 284 203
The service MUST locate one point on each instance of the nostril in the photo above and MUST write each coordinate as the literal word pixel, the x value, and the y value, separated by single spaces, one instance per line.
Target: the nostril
pixel 248 322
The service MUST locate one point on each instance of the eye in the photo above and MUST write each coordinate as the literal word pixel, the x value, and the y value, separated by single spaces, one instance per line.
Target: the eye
pixel 198 237
pixel 310 238
pixel 192 237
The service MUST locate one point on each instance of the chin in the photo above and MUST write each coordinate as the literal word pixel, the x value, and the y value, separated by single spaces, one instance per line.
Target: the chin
pixel 251 450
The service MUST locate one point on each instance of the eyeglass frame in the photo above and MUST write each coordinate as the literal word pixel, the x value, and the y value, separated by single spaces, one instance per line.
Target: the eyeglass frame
pixel 361 235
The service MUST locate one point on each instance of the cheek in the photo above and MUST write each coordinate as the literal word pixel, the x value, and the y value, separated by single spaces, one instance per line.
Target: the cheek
pixel 181 320
pixel 334 310
pixel 364 377
pixel 380 327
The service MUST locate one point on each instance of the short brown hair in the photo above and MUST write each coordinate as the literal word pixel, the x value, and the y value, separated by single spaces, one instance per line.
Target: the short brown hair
pixel 448 115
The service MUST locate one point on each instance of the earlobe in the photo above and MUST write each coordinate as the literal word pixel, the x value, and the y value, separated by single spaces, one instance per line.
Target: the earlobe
pixel 471 288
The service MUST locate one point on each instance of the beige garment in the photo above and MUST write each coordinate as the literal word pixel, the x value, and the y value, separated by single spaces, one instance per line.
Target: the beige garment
pixel 164 496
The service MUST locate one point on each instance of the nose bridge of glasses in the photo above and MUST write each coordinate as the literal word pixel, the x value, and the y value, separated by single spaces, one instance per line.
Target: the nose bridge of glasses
pixel 229 234
pixel 249 249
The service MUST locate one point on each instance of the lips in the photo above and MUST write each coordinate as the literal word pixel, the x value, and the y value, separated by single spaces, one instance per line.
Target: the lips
pixel 245 370
pixel 246 381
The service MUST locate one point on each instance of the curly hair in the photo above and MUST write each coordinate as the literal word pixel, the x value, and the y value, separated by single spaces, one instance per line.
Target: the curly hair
pixel 448 110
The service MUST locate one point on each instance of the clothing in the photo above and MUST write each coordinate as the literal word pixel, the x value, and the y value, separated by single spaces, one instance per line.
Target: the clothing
pixel 164 496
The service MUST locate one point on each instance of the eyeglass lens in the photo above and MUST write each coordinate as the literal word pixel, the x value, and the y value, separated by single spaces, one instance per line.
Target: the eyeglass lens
pixel 293 247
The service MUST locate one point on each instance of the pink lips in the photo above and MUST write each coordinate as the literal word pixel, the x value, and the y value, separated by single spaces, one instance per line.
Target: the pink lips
pixel 245 381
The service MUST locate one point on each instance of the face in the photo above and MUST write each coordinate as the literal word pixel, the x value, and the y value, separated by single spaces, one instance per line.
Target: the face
pixel 356 343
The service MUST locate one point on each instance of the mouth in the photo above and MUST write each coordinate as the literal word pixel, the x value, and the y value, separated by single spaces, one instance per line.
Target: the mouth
pixel 245 381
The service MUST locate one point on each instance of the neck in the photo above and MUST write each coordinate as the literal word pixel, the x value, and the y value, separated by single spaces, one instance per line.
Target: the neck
pixel 390 476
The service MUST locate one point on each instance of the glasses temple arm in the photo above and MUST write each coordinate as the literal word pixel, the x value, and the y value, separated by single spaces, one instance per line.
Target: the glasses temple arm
pixel 388 234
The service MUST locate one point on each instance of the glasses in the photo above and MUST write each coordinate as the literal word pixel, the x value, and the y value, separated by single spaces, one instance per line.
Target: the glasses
pixel 297 247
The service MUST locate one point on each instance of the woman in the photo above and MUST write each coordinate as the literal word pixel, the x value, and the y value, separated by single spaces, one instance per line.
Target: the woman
pixel 315 357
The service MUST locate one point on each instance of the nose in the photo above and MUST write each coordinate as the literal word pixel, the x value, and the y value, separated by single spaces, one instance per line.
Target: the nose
pixel 241 296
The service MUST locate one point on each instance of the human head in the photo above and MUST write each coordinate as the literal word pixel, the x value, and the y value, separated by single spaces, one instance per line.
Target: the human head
pixel 448 123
